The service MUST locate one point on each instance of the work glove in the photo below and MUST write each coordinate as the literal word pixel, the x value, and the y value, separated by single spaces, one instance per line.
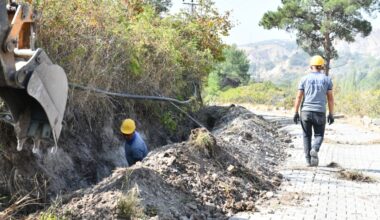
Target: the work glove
pixel 330 119
pixel 296 118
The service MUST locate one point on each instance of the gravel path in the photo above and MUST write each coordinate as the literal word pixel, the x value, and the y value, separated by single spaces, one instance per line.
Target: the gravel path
pixel 318 193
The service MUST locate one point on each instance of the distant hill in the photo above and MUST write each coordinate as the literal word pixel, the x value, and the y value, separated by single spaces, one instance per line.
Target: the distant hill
pixel 281 61
pixel 369 46
pixel 275 60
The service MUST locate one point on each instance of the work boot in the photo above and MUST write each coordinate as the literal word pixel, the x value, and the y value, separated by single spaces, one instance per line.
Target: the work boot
pixel 308 162
pixel 314 158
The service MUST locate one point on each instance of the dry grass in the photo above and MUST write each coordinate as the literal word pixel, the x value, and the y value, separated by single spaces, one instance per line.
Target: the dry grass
pixel 98 45
pixel 203 141
pixel 105 45
pixel 83 47
pixel 293 198
pixel 23 194
pixel 2 106
pixel 53 213
pixel 19 205
pixel 352 175
pixel 333 165
pixel 355 175
pixel 369 142
pixel 129 207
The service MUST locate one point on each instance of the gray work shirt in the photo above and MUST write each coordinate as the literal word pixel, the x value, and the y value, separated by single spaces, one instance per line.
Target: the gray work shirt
pixel 315 86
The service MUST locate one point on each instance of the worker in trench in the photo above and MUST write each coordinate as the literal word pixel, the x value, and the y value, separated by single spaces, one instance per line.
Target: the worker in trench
pixel 135 147
pixel 315 89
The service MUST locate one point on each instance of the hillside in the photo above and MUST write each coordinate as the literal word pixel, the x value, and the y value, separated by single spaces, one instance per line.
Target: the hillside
pixel 281 61
pixel 369 46
pixel 118 46
pixel 275 60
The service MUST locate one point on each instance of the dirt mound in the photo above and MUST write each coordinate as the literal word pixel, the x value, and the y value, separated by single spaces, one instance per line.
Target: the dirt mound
pixel 208 176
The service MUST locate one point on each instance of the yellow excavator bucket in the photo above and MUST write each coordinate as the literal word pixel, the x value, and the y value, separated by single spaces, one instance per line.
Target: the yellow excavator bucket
pixel 34 89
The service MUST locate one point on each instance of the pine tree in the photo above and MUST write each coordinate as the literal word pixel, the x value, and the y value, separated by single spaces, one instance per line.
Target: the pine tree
pixel 317 23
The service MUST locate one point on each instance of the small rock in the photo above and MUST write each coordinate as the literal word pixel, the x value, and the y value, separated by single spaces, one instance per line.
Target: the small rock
pixel 197 217
pixel 171 160
pixel 250 206
pixel 239 206
pixel 210 204
pixel 230 168
pixel 276 181
pixel 269 194
pixel 192 206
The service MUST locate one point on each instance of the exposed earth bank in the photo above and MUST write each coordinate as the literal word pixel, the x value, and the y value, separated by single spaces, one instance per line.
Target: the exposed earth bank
pixel 210 176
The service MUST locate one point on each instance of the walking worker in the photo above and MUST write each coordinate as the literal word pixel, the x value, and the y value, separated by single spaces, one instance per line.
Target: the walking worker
pixel 314 89
pixel 135 147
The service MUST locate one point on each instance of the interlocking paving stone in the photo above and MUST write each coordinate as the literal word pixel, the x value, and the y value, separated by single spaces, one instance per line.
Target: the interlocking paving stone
pixel 325 196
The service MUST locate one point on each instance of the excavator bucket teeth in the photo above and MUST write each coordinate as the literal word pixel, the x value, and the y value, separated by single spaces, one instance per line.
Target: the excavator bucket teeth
pixel 25 111
pixel 40 108
pixel 48 86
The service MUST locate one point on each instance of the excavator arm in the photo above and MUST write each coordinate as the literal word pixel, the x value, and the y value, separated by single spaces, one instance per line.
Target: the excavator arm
pixel 34 89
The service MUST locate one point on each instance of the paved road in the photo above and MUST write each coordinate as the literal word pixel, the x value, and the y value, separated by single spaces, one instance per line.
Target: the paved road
pixel 317 193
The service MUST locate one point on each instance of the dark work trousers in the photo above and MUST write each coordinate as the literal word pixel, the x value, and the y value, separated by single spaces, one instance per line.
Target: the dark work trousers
pixel 312 121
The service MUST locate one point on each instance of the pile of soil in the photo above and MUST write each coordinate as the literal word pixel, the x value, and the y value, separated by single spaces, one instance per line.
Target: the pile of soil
pixel 212 175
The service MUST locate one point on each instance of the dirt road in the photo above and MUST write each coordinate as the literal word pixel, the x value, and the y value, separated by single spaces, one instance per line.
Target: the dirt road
pixel 322 193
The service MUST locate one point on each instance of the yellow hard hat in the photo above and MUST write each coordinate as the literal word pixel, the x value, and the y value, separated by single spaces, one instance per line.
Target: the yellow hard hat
pixel 128 126
pixel 317 61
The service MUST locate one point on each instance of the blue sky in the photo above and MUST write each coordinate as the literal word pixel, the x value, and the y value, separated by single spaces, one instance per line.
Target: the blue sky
pixel 246 14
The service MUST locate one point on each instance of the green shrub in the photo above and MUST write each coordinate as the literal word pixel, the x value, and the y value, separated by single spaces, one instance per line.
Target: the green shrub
pixel 126 46
pixel 49 216
pixel 256 93
pixel 347 101
pixel 362 103
pixel 169 123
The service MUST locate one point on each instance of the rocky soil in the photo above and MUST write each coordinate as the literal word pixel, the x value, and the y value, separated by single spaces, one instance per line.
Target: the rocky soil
pixel 210 176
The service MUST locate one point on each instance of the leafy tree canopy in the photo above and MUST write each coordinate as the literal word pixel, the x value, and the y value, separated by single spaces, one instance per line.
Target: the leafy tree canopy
pixel 317 23
pixel 208 26
pixel 232 72
pixel 135 7
pixel 160 5
pixel 127 46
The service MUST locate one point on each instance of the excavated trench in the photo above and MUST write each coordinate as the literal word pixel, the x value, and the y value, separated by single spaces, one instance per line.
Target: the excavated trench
pixel 210 175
